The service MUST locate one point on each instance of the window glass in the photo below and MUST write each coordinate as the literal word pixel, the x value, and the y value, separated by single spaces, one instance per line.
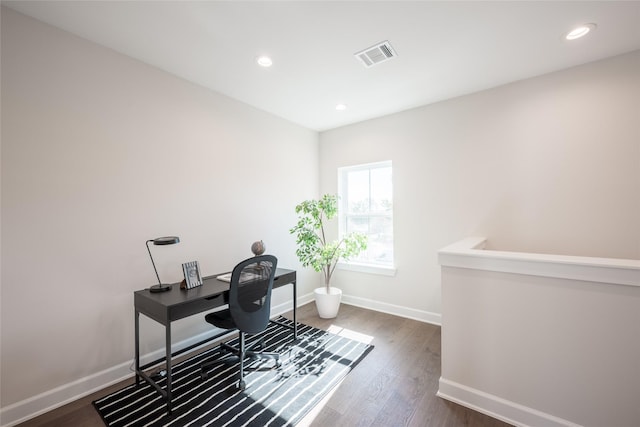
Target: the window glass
pixel 366 206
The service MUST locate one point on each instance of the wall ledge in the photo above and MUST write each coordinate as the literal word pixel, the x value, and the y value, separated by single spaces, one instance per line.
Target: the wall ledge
pixel 470 253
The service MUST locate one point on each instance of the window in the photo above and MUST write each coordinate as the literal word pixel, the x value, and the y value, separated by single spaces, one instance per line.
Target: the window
pixel 366 206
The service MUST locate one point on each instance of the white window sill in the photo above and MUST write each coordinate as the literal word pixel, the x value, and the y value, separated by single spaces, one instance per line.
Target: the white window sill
pixel 367 268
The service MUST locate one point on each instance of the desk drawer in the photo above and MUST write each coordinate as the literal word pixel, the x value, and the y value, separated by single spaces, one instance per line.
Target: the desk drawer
pixel 195 307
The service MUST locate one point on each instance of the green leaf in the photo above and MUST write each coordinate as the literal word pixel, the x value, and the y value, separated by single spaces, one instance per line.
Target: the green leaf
pixel 313 249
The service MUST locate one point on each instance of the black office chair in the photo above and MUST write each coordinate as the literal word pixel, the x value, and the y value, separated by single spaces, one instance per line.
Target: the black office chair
pixel 249 309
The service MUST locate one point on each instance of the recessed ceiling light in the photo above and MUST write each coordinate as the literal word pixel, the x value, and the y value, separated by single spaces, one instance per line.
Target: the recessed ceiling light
pixel 341 107
pixel 264 61
pixel 580 31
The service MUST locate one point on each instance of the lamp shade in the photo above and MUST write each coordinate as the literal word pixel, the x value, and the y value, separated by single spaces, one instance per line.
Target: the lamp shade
pixel 168 240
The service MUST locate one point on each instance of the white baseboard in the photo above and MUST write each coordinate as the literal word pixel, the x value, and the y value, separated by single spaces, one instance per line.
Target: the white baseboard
pixel 286 306
pixel 397 310
pixel 497 407
pixel 37 405
pixel 32 407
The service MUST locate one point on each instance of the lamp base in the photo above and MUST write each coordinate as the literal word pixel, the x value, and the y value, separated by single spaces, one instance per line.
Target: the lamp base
pixel 160 288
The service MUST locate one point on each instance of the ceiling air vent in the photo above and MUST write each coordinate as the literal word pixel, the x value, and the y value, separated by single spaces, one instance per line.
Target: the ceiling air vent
pixel 376 54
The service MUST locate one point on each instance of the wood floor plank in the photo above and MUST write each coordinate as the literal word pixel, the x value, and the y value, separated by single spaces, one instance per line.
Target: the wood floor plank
pixel 395 385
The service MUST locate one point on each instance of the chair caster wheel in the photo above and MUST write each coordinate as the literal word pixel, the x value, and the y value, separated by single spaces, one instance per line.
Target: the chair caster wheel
pixel 242 385
pixel 204 375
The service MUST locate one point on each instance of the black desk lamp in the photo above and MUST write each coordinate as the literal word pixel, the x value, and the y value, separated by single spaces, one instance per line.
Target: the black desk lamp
pixel 161 241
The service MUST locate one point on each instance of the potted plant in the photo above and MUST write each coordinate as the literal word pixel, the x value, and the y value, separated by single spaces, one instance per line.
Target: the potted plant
pixel 314 250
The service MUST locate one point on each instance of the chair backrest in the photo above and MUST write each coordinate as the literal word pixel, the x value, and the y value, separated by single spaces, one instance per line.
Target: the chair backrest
pixel 250 293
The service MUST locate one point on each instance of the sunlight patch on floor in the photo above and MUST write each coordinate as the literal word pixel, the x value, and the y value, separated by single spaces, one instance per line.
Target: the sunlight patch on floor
pixel 308 419
pixel 343 332
pixel 348 333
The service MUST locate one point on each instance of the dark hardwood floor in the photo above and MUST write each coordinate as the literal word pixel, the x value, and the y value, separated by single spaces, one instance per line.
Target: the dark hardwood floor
pixel 395 385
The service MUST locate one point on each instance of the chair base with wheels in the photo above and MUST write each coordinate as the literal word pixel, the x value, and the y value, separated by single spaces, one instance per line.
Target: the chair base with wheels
pixel 241 353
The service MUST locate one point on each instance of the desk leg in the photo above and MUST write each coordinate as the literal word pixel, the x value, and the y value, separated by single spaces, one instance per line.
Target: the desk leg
pixel 137 345
pixel 295 306
pixel 168 359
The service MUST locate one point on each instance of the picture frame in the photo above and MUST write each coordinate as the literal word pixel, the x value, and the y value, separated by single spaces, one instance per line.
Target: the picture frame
pixel 192 276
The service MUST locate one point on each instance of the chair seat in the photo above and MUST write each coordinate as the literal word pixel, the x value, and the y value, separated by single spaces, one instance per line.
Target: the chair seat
pixel 221 319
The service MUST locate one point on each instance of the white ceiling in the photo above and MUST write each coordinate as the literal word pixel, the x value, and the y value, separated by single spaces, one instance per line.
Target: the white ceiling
pixel 445 49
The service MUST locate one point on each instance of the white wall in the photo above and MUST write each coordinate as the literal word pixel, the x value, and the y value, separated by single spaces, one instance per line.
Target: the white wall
pixel 550 165
pixel 100 153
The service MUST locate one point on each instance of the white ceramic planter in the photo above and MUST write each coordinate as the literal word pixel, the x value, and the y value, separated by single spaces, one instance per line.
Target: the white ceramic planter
pixel 328 304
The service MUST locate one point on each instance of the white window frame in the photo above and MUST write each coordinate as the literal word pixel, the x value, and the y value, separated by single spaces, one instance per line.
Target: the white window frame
pixel 357 265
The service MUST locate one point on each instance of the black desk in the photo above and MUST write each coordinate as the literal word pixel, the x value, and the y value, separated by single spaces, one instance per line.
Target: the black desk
pixel 165 307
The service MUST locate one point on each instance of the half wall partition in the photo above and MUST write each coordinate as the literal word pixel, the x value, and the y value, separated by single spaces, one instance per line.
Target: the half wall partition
pixel 538 339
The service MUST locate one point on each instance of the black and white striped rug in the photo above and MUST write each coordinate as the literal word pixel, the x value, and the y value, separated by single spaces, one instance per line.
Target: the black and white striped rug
pixel 310 368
